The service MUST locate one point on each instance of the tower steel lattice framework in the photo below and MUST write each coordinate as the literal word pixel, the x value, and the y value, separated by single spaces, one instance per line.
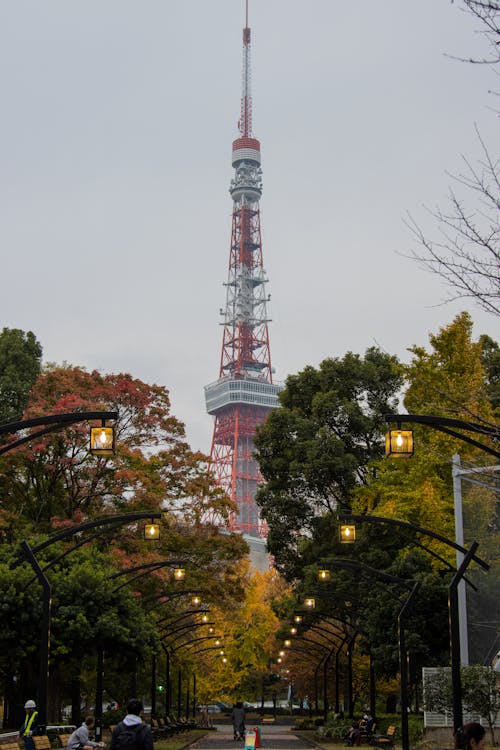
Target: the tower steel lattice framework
pixel 244 394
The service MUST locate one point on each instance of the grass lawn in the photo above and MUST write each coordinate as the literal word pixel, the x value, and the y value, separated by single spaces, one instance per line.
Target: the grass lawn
pixel 180 740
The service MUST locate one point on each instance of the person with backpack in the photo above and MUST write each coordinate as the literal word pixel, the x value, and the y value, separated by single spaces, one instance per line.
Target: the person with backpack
pixel 132 733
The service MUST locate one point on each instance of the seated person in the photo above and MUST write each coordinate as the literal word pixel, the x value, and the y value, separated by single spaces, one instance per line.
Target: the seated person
pixel 354 735
pixel 79 740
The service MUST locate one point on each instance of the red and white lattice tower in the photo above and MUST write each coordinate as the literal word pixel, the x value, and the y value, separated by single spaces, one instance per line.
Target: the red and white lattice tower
pixel 244 394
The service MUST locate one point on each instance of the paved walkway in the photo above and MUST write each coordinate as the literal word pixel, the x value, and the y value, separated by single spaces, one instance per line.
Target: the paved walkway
pixel 272 738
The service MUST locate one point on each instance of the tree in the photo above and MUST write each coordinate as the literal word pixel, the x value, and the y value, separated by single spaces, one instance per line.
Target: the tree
pixel 53 482
pixel 487 12
pixel 466 254
pixel 249 631
pixel 317 449
pixel 20 364
pixel 56 480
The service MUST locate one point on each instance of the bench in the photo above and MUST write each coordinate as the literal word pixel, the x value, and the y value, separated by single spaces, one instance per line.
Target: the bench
pixel 9 745
pixel 63 739
pixel 385 740
pixel 268 720
pixel 41 742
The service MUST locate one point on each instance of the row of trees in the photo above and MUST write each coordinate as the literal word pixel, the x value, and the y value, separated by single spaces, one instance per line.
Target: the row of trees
pixel 53 483
pixel 321 453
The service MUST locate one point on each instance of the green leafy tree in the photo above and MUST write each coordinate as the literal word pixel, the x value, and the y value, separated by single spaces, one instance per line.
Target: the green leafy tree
pixel 20 365
pixel 318 448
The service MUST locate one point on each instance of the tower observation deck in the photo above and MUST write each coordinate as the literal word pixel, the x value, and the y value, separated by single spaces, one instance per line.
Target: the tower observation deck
pixel 244 393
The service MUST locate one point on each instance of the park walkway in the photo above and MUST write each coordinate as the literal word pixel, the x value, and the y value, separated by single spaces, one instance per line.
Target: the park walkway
pixel 272 738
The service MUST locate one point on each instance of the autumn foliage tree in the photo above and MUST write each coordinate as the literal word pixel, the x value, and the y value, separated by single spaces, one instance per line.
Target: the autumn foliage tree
pixel 53 482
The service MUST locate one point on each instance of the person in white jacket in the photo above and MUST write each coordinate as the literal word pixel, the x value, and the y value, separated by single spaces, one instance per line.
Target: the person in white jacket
pixel 80 740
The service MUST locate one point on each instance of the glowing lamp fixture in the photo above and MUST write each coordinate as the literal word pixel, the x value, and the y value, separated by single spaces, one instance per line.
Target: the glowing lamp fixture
pixel 196 601
pixel 310 602
pixel 297 618
pixel 152 531
pixel 324 574
pixel 293 631
pixel 347 533
pixel 399 443
pixel 217 642
pixel 287 643
pixel 204 617
pixel 102 440
pixel 282 653
pixel 179 574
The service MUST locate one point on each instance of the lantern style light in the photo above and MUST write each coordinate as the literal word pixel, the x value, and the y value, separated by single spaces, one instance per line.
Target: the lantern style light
pixel 287 643
pixel 102 441
pixel 204 617
pixel 217 642
pixel 310 602
pixel 224 660
pixel 399 443
pixel 324 575
pixel 179 574
pixel 281 653
pixel 297 619
pixel 210 630
pixel 152 531
pixel 279 660
pixel 293 631
pixel 196 601
pixel 347 533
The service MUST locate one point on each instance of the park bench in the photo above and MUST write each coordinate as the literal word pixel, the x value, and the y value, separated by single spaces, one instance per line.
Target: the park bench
pixel 41 742
pixel 9 744
pixel 63 739
pixel 385 740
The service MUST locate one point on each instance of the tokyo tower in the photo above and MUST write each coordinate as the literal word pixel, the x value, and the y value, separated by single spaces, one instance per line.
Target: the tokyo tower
pixel 244 394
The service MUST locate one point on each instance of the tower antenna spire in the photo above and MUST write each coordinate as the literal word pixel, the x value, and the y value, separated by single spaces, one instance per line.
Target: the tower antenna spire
pixel 245 124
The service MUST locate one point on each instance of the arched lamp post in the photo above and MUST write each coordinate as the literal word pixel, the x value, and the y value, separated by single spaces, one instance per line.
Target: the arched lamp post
pixel 29 555
pixel 453 608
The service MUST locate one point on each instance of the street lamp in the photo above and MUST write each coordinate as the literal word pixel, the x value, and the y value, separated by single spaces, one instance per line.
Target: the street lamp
pixel 151 531
pixel 448 426
pixel 102 440
pixel 347 533
pixel 399 443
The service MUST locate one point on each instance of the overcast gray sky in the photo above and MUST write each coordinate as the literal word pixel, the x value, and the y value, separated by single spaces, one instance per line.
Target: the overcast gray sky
pixel 115 143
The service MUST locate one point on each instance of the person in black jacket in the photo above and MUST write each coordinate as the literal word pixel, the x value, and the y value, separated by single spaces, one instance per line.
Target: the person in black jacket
pixel 238 717
pixel 132 733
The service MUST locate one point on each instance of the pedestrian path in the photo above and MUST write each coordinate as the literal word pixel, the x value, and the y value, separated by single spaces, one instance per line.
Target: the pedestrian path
pixel 271 738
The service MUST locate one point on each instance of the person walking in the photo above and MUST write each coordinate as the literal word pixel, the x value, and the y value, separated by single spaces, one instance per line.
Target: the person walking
pixel 132 733
pixel 29 726
pixel 238 717
pixel 80 740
